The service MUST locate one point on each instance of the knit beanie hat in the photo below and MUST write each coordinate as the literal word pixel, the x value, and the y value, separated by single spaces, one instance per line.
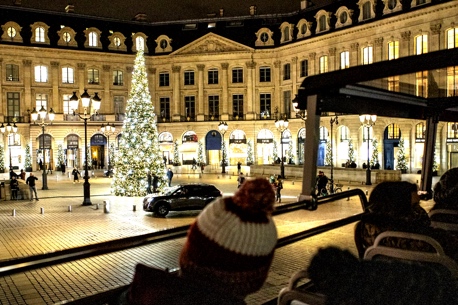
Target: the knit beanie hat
pixel 231 244
pixel 446 190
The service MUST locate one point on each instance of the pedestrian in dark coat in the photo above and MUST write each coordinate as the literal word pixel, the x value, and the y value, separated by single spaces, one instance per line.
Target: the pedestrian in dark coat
pixel 32 188
pixel 14 184
pixel 169 176
pixel 76 175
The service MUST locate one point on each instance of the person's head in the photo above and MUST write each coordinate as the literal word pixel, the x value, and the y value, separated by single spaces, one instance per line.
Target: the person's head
pixel 446 189
pixel 31 174
pixel 231 243
pixel 14 177
pixel 22 170
pixel 321 173
pixel 394 197
pixel 279 177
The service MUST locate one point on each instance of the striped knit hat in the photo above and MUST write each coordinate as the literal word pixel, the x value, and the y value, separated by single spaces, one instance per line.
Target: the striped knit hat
pixel 231 244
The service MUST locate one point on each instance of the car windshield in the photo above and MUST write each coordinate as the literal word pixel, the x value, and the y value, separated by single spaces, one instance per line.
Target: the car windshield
pixel 171 190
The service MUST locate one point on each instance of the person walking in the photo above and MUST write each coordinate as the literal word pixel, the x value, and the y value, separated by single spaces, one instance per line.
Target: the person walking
pixel 149 179
pixel 279 187
pixel 41 164
pixel 14 185
pixel 62 168
pixel 239 167
pixel 169 176
pixel 75 174
pixel 194 163
pixel 32 188
pixel 240 180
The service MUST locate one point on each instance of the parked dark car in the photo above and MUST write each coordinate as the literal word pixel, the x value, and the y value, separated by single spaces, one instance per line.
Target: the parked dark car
pixel 190 196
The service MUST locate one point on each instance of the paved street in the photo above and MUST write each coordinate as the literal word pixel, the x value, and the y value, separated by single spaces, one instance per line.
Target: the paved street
pixel 59 221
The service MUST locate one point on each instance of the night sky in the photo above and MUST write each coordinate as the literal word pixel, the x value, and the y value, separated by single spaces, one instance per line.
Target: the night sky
pixel 163 10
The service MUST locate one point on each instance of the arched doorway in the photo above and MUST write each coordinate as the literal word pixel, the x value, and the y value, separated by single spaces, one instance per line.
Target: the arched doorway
pixel 265 147
pixel 213 147
pixel 96 157
pixel 237 147
pixel 166 146
pixel 44 152
pixel 391 138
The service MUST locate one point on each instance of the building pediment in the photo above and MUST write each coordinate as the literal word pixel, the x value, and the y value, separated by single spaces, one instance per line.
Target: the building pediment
pixel 212 43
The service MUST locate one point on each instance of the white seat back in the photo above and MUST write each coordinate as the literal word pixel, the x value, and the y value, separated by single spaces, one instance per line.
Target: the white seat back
pixel 449 226
pixel 438 257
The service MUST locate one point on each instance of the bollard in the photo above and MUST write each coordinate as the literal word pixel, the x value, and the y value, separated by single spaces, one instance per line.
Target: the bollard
pixel 367 192
pixel 42 210
pixel 14 212
pixel 134 208
pixel 218 176
pixel 106 206
pixel 292 182
pixel 189 177
pixel 69 208
pixel 348 197
pixel 97 206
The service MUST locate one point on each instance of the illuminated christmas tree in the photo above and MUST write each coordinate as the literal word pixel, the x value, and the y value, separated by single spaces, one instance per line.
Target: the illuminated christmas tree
pixel 401 157
pixel 28 159
pixel 374 158
pixel 60 155
pixel 200 154
pixel 249 152
pixel 2 156
pixel 176 154
pixel 139 151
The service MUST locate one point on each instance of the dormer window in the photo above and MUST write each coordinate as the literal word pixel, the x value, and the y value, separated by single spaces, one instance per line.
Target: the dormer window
pixel 40 33
pixel 303 27
pixel 264 37
pixel 92 38
pixel 139 40
pixel 366 9
pixel 163 44
pixel 286 32
pixel 343 15
pixel 67 37
pixel 11 32
pixel 117 40
pixel 323 21
pixel 391 6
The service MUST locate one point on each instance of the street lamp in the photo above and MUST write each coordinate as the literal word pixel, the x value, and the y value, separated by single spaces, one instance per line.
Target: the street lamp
pixel 223 128
pixel 42 115
pixel 86 102
pixel 336 121
pixel 368 120
pixel 282 125
pixel 9 129
pixel 108 130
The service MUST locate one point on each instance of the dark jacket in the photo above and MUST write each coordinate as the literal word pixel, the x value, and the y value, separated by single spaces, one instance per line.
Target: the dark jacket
pixel 31 180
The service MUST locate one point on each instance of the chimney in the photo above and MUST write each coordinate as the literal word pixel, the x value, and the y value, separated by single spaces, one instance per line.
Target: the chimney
pixel 70 8
pixel 141 17
pixel 17 2
pixel 252 10
pixel 221 12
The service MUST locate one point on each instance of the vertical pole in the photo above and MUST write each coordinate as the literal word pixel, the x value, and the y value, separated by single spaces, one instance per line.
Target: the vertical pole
pixel 282 169
pixel 45 178
pixel 86 186
pixel 224 156
pixel 368 168
pixel 332 164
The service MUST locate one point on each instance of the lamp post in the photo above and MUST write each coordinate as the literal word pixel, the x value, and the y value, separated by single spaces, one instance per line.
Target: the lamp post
pixel 108 130
pixel 332 121
pixel 9 129
pixel 42 115
pixel 368 120
pixel 223 128
pixel 86 102
pixel 282 125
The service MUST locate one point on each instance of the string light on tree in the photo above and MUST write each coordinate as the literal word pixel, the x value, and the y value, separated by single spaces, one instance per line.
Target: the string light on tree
pixel 139 151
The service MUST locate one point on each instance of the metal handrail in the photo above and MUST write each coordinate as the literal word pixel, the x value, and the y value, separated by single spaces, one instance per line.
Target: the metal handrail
pixel 48 259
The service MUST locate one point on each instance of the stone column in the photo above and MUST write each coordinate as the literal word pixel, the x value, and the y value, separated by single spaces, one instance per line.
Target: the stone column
pixel 276 94
pixel 176 93
pixel 54 79
pixel 312 65
pixel 27 77
pixel 249 104
pixel 332 59
pixel 224 95
pixel 106 106
pixel 378 49
pixel 354 54
pixel 200 93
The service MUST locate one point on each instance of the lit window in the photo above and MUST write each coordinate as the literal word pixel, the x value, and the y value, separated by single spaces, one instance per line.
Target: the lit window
pixel 118 78
pixel 93 76
pixel 41 74
pixel 93 37
pixel 367 55
pixel 344 60
pixel 39 34
pixel 323 64
pixel 393 50
pixel 12 73
pixel 421 44
pixel 140 43
pixel 452 38
pixel 68 75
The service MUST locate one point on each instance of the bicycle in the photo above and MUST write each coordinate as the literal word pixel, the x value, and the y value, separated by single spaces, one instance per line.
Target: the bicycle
pixel 327 191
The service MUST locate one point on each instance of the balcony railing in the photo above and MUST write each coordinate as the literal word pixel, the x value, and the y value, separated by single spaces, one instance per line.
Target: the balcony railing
pixel 187 118
pixel 16 119
pixel 212 117
pixel 120 116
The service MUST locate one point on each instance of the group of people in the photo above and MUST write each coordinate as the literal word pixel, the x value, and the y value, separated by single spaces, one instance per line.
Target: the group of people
pixel 393 206
pixel 30 181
